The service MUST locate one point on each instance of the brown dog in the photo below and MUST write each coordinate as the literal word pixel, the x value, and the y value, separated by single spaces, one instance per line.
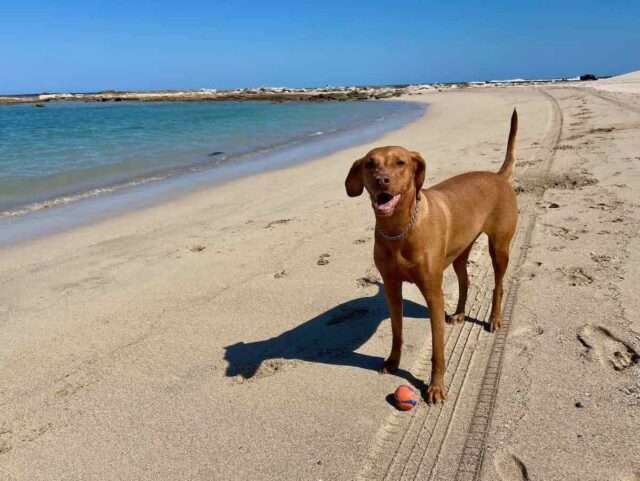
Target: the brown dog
pixel 419 233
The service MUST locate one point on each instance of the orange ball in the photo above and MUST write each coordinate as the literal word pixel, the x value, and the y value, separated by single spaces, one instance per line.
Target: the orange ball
pixel 406 397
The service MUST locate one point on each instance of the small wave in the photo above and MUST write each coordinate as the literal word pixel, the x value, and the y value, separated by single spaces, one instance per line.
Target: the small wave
pixel 66 199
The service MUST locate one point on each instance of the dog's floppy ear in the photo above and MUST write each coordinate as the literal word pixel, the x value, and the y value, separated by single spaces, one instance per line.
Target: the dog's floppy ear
pixel 354 182
pixel 420 168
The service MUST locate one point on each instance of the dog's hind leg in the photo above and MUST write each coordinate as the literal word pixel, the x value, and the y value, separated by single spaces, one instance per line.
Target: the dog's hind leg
pixel 460 267
pixel 499 250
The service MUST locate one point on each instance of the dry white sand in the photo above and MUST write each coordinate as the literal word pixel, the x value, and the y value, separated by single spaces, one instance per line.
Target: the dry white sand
pixel 235 333
pixel 627 83
pixel 623 90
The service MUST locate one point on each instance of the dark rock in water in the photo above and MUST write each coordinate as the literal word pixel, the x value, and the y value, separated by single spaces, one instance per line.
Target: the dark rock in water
pixel 588 76
pixel 331 96
pixel 217 153
pixel 386 95
pixel 39 105
pixel 358 95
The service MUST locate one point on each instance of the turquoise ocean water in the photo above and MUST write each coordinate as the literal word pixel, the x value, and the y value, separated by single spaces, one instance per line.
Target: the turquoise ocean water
pixel 70 151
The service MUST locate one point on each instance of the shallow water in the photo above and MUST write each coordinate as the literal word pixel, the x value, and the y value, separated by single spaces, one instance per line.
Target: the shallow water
pixel 73 150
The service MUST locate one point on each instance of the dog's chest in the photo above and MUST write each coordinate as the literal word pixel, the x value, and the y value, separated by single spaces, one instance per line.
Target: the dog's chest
pixel 398 264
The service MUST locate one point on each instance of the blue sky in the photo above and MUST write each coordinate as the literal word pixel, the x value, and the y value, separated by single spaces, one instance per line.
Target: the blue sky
pixel 142 44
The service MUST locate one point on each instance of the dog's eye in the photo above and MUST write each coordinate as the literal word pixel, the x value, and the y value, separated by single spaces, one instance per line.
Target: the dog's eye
pixel 370 164
pixel 401 163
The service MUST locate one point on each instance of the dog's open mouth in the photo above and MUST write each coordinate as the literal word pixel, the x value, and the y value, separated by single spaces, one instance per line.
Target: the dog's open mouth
pixel 384 203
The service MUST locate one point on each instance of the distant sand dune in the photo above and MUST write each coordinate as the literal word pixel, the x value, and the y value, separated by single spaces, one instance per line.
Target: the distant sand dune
pixel 627 83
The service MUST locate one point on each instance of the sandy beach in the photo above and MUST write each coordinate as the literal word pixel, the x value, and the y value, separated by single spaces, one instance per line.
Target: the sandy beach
pixel 236 332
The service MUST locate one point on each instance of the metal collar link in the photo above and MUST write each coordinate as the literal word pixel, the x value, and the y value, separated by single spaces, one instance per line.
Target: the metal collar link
pixel 414 217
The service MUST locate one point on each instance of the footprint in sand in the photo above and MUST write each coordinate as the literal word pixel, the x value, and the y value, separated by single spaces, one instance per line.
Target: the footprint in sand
pixel 530 269
pixel 509 467
pixel 266 368
pixel 275 223
pixel 606 348
pixel 558 231
pixel 5 447
pixel 281 274
pixel 576 276
pixel 601 130
pixel 371 278
pixel 614 205
pixel 323 259
pixel 536 182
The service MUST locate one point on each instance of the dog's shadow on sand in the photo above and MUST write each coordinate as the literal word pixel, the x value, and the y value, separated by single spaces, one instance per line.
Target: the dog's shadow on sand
pixel 332 337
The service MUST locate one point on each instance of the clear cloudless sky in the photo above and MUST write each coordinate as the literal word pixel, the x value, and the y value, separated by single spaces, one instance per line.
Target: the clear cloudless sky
pixel 90 45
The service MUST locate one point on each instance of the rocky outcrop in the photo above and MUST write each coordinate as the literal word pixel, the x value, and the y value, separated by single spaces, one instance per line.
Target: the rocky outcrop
pixel 273 94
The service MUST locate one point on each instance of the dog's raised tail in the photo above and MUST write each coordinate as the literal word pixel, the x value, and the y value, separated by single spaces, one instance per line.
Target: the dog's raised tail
pixel 510 159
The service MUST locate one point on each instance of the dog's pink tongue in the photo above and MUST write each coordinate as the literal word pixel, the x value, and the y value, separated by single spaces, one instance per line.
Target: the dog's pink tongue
pixel 390 204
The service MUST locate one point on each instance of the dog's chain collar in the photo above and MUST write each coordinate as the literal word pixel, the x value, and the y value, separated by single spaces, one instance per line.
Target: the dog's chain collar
pixel 414 217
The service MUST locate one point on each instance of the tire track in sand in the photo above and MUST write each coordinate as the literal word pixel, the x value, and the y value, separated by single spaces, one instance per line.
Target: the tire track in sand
pixel 446 442
pixel 470 463
pixel 610 99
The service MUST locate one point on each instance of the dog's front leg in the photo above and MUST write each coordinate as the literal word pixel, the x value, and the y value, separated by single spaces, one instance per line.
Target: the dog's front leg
pixel 393 293
pixel 431 288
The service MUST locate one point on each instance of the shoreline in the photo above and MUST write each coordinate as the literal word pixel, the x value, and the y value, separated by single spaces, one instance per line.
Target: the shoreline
pixel 74 209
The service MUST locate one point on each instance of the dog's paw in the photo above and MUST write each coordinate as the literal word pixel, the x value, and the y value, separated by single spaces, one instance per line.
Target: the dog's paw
pixel 456 318
pixel 389 366
pixel 495 324
pixel 436 393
